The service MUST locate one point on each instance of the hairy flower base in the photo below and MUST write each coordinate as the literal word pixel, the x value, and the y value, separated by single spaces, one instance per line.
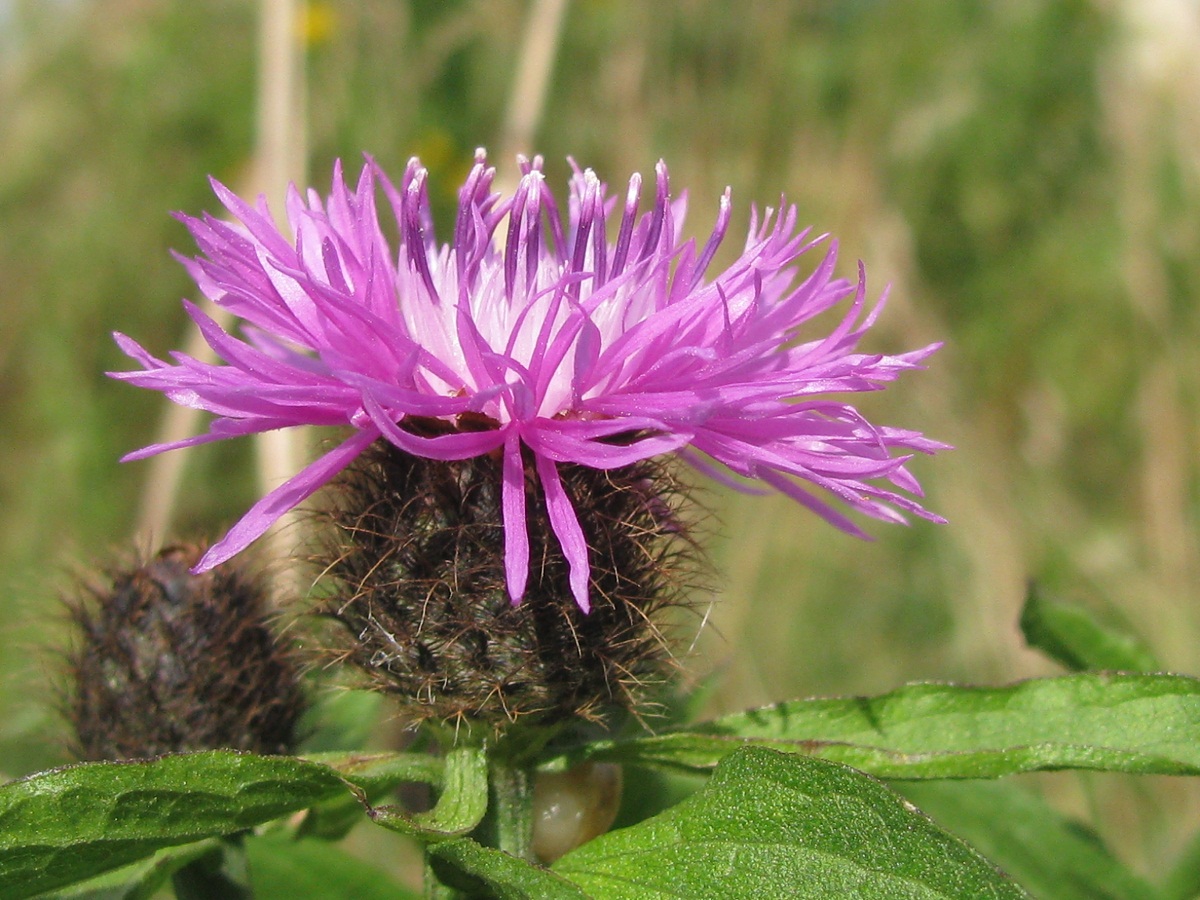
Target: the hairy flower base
pixel 170 661
pixel 426 608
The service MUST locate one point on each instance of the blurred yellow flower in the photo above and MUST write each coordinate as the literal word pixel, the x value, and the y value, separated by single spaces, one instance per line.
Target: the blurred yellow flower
pixel 316 23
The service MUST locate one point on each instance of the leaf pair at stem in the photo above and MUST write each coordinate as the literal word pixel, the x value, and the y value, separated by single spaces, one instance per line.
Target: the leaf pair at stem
pixel 779 812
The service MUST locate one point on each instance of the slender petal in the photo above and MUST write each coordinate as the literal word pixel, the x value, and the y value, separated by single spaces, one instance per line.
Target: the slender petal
pixel 516 543
pixel 566 526
pixel 263 514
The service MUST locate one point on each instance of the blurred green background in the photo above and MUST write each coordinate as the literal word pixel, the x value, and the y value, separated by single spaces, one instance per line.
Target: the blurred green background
pixel 1024 174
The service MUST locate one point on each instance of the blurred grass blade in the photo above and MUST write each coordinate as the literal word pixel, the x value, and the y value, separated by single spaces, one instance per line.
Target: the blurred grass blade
pixel 1139 724
pixel 63 826
pixel 776 825
pixel 340 720
pixel 1051 856
pixel 1072 636
pixel 460 807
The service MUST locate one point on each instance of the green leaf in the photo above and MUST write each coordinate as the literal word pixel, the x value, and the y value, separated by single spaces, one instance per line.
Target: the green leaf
pixel 68 824
pixel 776 825
pixel 460 806
pixel 480 870
pixel 139 881
pixel 282 868
pixel 1141 724
pixel 1052 857
pixel 374 774
pixel 1072 636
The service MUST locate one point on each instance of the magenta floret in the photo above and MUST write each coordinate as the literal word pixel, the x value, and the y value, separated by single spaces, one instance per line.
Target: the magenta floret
pixel 531 332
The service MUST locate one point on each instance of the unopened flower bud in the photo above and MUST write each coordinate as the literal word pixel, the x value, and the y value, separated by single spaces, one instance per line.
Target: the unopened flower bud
pixel 168 661
pixel 428 615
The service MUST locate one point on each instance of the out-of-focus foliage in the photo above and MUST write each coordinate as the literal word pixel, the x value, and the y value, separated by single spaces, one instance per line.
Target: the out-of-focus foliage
pixel 1023 173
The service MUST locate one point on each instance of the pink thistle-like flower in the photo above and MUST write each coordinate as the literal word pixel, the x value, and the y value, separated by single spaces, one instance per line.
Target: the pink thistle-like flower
pixel 530 332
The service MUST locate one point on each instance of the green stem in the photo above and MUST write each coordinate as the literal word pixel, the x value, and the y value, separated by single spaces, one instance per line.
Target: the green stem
pixel 507 825
pixel 512 809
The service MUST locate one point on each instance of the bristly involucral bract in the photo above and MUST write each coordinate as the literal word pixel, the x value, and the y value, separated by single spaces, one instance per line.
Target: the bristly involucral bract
pixel 531 330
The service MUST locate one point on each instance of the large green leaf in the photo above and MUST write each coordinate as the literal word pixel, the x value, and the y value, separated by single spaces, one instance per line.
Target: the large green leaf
pixel 137 881
pixel 482 871
pixel 776 825
pixel 69 824
pixel 1052 857
pixel 1143 724
pixel 1072 636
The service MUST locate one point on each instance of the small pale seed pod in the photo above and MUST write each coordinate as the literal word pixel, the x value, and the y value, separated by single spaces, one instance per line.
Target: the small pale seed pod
pixel 570 808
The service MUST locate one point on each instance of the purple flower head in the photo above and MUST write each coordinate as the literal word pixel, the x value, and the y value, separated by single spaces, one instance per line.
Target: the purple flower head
pixel 533 337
